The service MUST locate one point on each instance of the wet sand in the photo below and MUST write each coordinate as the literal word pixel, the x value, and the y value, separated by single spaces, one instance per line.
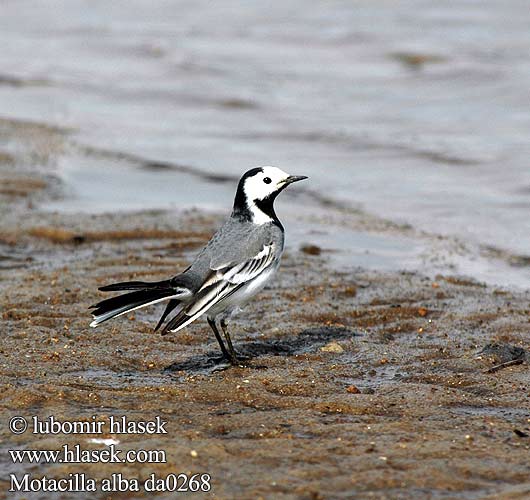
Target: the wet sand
pixel 362 384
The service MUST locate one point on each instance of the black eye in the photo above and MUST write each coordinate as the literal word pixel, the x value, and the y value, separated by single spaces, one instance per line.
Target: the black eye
pixel 267 180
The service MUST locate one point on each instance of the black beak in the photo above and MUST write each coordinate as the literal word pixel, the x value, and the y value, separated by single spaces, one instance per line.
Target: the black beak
pixel 295 178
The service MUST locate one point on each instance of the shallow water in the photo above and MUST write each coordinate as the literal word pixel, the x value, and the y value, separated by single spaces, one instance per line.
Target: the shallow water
pixel 414 112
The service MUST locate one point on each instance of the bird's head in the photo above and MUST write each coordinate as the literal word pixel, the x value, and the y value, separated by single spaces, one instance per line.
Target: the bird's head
pixel 257 191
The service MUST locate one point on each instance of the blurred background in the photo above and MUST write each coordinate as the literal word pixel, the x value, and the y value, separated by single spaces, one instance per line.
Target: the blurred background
pixel 411 118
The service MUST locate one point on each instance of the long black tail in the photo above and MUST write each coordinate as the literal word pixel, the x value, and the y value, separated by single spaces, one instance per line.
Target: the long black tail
pixel 143 295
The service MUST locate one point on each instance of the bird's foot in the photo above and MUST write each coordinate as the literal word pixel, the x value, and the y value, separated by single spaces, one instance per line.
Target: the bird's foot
pixel 221 363
pixel 238 359
pixel 241 357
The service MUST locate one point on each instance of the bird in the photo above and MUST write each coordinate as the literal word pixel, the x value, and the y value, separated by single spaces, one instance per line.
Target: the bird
pixel 237 262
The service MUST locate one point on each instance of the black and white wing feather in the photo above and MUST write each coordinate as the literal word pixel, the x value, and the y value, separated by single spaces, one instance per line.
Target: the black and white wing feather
pixel 223 281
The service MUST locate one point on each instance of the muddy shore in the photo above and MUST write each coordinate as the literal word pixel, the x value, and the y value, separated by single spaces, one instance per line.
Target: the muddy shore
pixel 362 384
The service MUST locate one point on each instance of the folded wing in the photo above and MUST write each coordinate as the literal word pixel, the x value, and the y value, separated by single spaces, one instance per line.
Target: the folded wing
pixel 220 284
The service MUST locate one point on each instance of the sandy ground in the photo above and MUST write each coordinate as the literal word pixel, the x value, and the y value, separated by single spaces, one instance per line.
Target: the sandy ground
pixel 361 384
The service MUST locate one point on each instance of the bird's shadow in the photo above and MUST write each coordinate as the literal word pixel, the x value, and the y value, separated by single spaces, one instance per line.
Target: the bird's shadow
pixel 306 341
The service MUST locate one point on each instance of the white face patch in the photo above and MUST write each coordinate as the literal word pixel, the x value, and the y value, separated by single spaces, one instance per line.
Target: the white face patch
pixel 264 183
pixel 260 186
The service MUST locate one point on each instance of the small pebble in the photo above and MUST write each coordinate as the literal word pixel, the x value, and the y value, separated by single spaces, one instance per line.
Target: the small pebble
pixel 311 249
pixel 332 347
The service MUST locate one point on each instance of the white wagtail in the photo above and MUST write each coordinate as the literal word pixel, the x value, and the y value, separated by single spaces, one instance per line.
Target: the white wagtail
pixel 235 265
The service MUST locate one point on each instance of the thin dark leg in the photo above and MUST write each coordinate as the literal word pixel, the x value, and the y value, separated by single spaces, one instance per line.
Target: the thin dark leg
pixel 213 326
pixel 231 350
